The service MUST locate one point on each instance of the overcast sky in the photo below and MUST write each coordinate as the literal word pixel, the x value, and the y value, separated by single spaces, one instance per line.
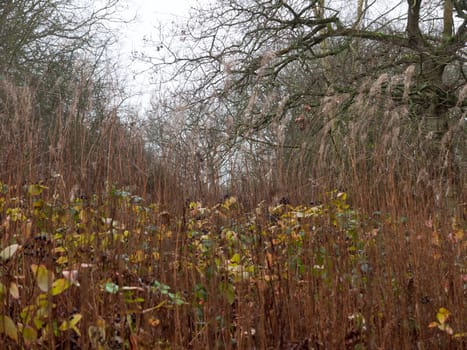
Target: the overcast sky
pixel 147 16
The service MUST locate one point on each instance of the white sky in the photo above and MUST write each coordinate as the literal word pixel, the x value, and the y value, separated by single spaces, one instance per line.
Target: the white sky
pixel 148 15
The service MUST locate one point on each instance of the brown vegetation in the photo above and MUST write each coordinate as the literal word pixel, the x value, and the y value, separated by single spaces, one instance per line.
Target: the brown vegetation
pixel 125 273
pixel 308 196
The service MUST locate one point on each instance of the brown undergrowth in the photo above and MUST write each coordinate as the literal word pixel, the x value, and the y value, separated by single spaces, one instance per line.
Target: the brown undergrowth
pixel 100 248
pixel 118 272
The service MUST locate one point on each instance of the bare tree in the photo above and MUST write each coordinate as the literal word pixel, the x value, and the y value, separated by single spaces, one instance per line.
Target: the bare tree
pixel 235 46
pixel 57 52
pixel 36 32
pixel 253 65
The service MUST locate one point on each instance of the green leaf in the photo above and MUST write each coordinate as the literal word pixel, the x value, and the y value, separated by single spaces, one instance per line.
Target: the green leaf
pixel 43 277
pixel 3 188
pixel 8 327
pixel 163 288
pixel 35 190
pixel 59 285
pixel 111 287
pixel 9 251
pixel 29 335
pixel 178 300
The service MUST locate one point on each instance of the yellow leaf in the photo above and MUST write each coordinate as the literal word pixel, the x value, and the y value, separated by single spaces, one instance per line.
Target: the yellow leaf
pixel 8 327
pixel 59 286
pixel 9 251
pixel 269 259
pixel 71 323
pixel 342 196
pixel 14 291
pixel 235 258
pixel 27 314
pixel 35 190
pixel 43 276
pixel 76 330
pixel 459 235
pixel 2 291
pixel 139 256
pixel 97 334
pixel 83 216
pixel 435 238
pixel 62 260
pixel 442 315
pixel 27 229
pixel 29 334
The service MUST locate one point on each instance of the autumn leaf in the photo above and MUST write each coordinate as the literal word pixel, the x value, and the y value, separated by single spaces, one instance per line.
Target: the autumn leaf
pixel 59 286
pixel 9 251
pixel 43 277
pixel 442 315
pixel 35 190
pixel 8 327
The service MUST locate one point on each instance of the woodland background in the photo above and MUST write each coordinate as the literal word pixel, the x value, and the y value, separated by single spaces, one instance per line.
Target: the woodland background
pixel 298 181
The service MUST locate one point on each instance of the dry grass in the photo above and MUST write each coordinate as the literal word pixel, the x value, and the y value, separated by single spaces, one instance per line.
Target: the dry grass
pixel 280 277
pixel 139 267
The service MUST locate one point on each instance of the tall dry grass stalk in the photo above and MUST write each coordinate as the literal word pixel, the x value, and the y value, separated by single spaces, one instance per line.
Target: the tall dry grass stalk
pixel 381 149
pixel 369 272
pixel 77 150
